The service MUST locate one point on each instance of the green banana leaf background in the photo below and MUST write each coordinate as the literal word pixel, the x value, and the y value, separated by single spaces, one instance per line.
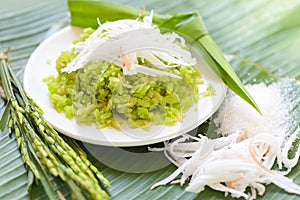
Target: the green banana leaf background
pixel 262 38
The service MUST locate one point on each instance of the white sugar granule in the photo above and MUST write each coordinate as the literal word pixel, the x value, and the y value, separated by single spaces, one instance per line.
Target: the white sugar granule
pixel 236 114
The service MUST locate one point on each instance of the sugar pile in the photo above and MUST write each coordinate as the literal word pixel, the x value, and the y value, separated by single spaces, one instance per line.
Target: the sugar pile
pixel 235 114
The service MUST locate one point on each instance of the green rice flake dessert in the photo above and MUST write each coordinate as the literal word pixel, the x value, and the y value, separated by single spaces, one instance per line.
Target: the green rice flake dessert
pixel 126 70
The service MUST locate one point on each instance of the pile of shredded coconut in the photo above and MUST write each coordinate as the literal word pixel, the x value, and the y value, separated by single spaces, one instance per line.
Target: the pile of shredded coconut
pixel 235 113
pixel 231 164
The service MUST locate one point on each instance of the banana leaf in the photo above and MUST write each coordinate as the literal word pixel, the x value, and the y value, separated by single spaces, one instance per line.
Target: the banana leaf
pixel 259 30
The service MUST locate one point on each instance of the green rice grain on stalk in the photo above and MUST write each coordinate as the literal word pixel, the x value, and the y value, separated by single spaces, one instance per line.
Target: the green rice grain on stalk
pixel 43 150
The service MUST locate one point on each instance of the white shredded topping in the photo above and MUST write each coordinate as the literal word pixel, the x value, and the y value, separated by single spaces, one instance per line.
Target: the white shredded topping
pixel 122 42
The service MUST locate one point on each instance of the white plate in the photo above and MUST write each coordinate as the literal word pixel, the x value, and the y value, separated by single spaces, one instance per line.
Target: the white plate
pixel 42 64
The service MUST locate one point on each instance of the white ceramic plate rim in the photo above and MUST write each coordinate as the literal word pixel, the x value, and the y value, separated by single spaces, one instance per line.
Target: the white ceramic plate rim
pixel 42 64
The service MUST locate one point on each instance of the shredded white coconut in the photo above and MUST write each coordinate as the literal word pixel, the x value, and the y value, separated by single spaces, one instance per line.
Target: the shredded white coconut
pixel 231 164
pixel 122 42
